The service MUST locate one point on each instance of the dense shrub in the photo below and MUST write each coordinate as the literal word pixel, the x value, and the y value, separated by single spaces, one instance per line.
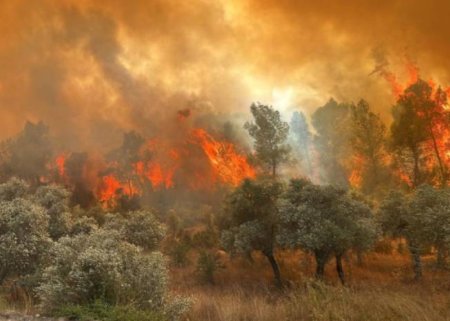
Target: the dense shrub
pixel 55 200
pixel 178 253
pixel 207 266
pixel 140 228
pixel 100 266
pixel 23 237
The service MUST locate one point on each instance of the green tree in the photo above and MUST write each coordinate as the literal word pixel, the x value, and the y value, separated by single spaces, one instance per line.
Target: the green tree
pixel 270 134
pixel 368 141
pixel 251 219
pixel 421 218
pixel 325 221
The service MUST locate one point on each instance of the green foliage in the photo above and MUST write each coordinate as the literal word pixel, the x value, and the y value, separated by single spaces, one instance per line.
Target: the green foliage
pixel 250 217
pixel 270 134
pixel 205 239
pixel 178 253
pixel 12 189
pixel 422 218
pixel 250 220
pixel 140 228
pixel 55 200
pixel 325 221
pixel 23 237
pixel 100 266
pixel 207 266
pixel 103 312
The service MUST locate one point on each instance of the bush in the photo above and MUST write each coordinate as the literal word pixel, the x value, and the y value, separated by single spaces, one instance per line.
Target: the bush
pixel 23 237
pixel 55 200
pixel 104 312
pixel 179 252
pixel 101 267
pixel 205 239
pixel 140 228
pixel 207 266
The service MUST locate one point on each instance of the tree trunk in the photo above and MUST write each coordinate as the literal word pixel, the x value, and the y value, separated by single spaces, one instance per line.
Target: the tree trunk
pixel 416 261
pixel 274 169
pixel 340 269
pixel 275 268
pixel 3 274
pixel 321 260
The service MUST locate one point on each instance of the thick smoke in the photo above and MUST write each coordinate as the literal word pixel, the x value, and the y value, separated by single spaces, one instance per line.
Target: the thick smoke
pixel 94 69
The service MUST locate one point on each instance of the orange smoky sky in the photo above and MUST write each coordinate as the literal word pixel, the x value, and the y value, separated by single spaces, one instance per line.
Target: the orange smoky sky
pixel 93 69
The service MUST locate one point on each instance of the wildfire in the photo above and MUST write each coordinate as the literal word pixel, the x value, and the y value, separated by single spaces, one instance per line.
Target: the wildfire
pixel 229 166
pixel 60 163
pixel 356 175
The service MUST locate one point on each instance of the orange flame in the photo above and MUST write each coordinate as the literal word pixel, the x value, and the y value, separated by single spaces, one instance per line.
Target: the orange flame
pixel 229 166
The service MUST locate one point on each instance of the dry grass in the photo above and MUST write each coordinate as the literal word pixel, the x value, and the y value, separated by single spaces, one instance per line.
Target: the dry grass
pixel 318 302
pixel 380 290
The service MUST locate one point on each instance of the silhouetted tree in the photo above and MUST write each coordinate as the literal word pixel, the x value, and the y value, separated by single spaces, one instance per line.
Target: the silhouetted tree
pixel 368 141
pixel 332 123
pixel 419 118
pixel 28 154
pixel 270 134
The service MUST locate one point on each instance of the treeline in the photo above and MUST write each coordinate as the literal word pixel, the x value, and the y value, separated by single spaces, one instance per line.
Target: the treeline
pixel 399 188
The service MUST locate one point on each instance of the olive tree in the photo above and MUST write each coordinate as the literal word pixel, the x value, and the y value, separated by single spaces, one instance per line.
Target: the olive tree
pixel 251 220
pixel 324 220
pixel 422 218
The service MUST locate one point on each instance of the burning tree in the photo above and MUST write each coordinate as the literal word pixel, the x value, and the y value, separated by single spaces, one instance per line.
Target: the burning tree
pixel 368 139
pixel 419 133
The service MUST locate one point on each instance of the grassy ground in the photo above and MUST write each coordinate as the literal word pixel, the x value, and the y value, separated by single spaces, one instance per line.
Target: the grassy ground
pixel 382 289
